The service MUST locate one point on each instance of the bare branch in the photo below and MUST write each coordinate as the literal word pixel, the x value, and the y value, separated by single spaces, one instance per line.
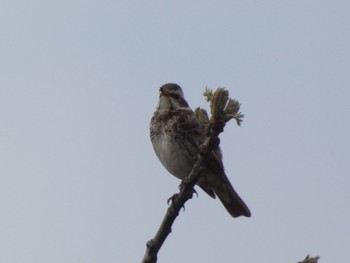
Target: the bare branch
pixel 309 259
pixel 178 201
pixel 222 109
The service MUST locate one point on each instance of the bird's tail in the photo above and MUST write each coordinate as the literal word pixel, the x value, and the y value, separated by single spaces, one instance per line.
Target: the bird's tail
pixel 230 199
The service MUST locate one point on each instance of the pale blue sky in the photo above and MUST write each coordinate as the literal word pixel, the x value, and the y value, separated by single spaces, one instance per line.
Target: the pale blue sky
pixel 79 81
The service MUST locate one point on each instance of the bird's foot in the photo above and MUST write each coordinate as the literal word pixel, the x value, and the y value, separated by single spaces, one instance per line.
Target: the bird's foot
pixel 171 199
pixel 183 184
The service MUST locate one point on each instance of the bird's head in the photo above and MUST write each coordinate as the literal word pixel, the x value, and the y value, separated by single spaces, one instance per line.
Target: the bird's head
pixel 171 97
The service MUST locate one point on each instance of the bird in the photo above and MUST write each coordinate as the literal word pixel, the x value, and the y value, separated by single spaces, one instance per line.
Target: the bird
pixel 176 135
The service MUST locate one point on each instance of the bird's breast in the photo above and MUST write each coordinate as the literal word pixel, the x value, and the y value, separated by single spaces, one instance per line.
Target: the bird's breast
pixel 173 155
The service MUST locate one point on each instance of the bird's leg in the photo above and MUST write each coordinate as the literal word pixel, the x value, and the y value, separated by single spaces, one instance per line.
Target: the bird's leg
pixel 181 186
pixel 172 199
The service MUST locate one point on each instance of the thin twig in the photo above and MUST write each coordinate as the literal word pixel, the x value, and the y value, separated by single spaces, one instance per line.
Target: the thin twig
pixel 178 201
pixel 309 259
pixel 214 127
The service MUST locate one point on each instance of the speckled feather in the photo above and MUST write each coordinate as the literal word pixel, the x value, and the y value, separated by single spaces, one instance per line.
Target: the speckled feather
pixel 176 135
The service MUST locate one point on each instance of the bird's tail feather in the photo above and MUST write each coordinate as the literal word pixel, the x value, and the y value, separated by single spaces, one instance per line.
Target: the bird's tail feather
pixel 230 199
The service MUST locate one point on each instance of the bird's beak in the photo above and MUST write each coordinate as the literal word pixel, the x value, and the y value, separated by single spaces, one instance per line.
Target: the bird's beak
pixel 162 92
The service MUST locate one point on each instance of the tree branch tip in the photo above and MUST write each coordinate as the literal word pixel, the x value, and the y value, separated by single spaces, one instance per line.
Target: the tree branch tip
pixel 309 259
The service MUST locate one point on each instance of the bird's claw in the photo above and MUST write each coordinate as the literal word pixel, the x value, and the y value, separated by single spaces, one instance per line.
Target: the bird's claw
pixel 183 183
pixel 171 199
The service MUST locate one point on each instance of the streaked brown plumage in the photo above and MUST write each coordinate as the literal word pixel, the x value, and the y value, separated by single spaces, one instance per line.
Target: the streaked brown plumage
pixel 176 135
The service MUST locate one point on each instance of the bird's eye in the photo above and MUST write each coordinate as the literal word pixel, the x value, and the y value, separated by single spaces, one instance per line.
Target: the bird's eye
pixel 175 96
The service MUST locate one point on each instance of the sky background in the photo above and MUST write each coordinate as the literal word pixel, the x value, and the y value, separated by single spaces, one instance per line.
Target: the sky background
pixel 79 80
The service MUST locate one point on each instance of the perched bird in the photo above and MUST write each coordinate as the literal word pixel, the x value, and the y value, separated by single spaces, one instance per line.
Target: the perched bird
pixel 176 135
